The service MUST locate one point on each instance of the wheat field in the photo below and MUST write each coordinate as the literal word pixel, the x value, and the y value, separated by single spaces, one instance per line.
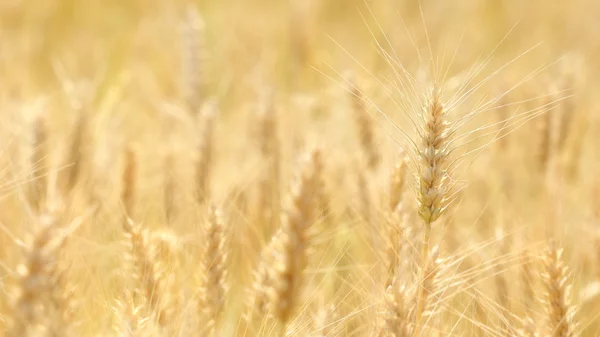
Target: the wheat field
pixel 299 168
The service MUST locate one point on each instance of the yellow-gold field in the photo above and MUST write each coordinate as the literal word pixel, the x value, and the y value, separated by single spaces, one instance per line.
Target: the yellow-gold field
pixel 299 168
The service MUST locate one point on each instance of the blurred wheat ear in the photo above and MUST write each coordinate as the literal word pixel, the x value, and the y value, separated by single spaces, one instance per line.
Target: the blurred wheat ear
pixel 43 301
pixel 214 270
pixel 193 60
pixel 560 312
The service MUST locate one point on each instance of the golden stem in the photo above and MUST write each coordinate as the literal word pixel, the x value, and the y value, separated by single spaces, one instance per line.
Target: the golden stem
pixel 423 271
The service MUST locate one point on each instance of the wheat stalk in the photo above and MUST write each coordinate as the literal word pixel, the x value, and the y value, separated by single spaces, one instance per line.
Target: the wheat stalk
pixel 64 301
pixel 205 159
pixel 396 220
pixel 77 150
pixel 397 183
pixel 170 187
pixel 131 319
pixel 527 281
pixel 325 324
pixel 128 181
pixel 528 329
pixel 164 246
pixel 502 291
pixel 193 60
pixel 396 314
pixel 546 131
pixel 433 186
pixel 149 288
pixel 429 285
pixel 291 258
pixel 269 143
pixel 365 127
pixel 323 200
pixel 214 273
pixel 257 303
pixel 38 299
pixel 560 313
pixel 39 167
pixel 394 242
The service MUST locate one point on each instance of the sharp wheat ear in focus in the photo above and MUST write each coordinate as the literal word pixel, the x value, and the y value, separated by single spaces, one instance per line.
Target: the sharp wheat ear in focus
pixel 433 151
pixel 432 177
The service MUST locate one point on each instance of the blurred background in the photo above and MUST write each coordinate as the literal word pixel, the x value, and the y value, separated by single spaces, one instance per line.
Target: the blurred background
pixel 127 65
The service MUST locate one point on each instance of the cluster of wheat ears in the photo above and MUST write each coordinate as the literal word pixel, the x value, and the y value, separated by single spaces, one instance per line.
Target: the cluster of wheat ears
pixel 432 211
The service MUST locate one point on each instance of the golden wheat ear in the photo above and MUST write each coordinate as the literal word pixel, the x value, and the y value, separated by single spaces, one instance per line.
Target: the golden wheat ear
pixel 205 151
pixel 560 312
pixel 257 299
pixel 268 205
pixel 365 126
pixel 128 184
pixel 149 289
pixel 528 282
pixel 170 188
pixel 132 321
pixel 286 273
pixel 397 183
pixel 394 242
pixel 528 329
pixel 193 61
pixel 433 187
pixel 43 302
pixel 325 321
pixel 213 289
pixel 429 285
pixel 395 318
pixel 76 155
pixel 433 184
pixel 395 221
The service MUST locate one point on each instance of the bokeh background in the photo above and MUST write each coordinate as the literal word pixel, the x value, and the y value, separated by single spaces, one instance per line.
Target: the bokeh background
pixel 125 67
